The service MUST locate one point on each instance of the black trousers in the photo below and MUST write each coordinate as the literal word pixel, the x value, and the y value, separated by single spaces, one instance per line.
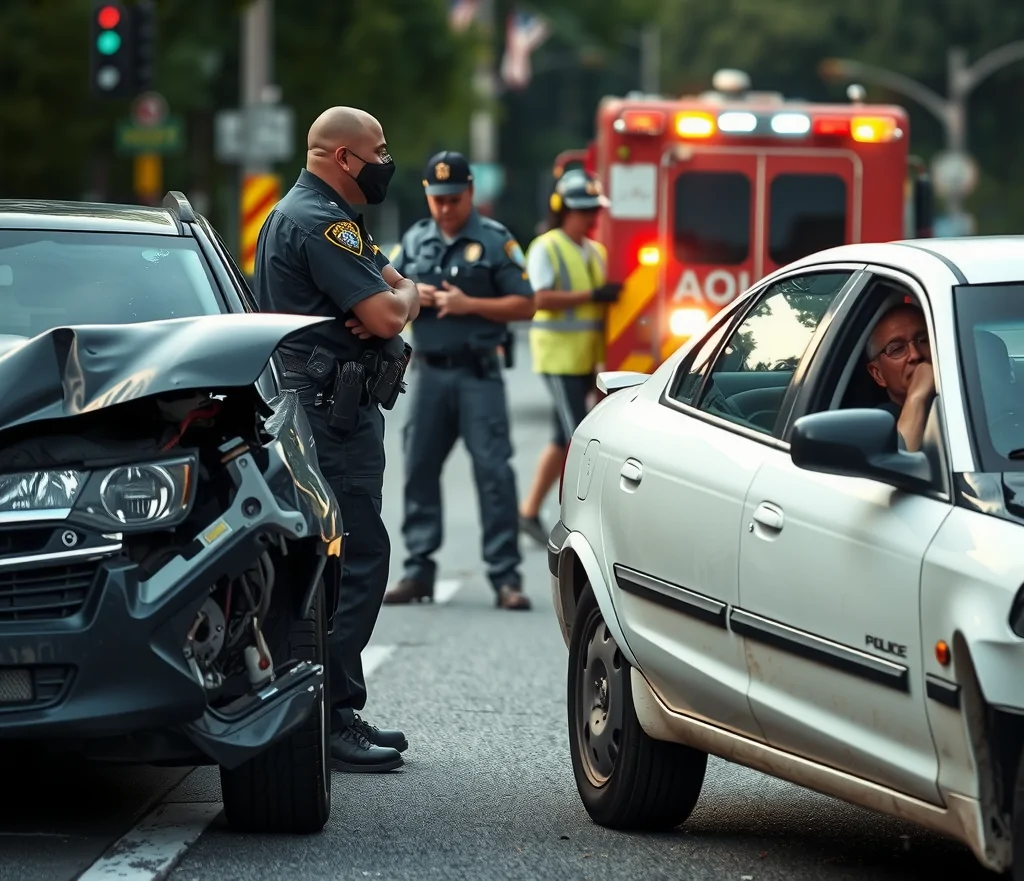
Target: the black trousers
pixel 353 465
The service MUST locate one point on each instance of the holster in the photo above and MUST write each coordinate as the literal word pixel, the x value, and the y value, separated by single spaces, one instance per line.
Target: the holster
pixel 387 379
pixel 343 415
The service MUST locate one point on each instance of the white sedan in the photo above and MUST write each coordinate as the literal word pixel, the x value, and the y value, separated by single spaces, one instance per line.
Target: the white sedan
pixel 753 562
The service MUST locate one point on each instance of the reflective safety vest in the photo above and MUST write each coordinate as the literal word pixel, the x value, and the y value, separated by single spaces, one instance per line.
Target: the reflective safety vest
pixel 570 341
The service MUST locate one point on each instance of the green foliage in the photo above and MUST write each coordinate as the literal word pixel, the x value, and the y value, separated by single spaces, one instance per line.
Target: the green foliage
pixel 398 59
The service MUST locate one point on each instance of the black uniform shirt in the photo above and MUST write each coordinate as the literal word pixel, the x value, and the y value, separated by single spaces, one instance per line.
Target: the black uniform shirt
pixel 484 260
pixel 314 257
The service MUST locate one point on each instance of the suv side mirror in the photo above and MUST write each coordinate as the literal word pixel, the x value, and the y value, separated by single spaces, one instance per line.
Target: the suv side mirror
pixel 858 443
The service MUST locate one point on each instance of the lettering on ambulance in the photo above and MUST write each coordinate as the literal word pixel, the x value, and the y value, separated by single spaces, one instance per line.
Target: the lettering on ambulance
pixel 718 287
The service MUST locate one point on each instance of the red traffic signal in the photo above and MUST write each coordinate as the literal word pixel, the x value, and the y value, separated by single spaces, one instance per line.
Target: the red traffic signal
pixel 108 16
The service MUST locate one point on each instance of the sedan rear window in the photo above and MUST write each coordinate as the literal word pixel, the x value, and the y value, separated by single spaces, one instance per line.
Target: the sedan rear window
pixel 56 278
pixel 990 330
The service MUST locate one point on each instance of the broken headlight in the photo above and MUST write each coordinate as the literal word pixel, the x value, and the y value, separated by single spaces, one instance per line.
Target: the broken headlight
pixel 140 496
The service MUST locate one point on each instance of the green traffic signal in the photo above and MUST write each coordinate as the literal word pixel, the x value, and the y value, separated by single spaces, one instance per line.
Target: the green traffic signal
pixel 109 42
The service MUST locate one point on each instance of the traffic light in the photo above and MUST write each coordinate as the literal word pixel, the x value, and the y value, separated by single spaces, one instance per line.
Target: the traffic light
pixel 143 35
pixel 122 47
pixel 110 50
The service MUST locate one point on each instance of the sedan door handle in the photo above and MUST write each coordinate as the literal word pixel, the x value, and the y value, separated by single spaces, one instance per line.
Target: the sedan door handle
pixel 632 471
pixel 769 516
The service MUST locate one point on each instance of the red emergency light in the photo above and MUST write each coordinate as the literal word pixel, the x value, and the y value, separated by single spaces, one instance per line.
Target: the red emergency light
pixel 640 122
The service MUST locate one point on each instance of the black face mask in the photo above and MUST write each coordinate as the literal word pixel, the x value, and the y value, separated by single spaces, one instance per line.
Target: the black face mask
pixel 373 179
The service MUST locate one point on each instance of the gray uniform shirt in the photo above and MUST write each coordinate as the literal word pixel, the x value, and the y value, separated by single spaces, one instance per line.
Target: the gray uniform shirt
pixel 484 260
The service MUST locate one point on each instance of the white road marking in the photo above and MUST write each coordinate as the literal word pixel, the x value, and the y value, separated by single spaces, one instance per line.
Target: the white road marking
pixel 374 656
pixel 445 589
pixel 151 850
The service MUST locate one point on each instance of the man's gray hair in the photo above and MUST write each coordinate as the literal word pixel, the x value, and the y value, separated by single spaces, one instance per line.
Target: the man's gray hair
pixel 873 348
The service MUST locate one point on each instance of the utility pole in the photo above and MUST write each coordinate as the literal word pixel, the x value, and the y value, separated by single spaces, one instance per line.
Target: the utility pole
pixel 955 171
pixel 650 59
pixel 259 189
pixel 483 129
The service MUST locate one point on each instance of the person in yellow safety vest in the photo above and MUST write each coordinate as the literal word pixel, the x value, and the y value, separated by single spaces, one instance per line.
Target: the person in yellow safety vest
pixel 567 270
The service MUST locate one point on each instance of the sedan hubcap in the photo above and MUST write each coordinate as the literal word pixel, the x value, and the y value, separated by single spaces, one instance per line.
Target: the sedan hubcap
pixel 599 703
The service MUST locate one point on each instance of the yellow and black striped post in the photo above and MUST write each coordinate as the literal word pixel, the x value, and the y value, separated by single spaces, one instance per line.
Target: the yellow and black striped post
pixel 260 193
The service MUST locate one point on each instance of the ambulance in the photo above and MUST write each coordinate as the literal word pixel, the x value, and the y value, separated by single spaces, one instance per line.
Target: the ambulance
pixel 710 193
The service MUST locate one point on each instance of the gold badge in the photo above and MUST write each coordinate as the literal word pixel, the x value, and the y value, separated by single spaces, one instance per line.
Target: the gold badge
pixel 345 234
pixel 442 171
pixel 473 252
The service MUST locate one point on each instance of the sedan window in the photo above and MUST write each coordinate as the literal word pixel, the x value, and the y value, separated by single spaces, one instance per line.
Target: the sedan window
pixel 753 372
pixel 57 278
pixel 990 331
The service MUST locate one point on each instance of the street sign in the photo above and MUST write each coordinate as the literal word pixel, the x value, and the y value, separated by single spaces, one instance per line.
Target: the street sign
pixel 488 181
pixel 264 133
pixel 952 225
pixel 166 137
pixel 149 109
pixel 954 174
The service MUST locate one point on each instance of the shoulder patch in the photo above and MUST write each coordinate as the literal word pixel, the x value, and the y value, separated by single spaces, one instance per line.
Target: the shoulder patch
pixel 514 252
pixel 345 234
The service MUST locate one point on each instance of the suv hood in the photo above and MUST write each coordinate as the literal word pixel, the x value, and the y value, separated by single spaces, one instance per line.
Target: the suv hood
pixel 68 371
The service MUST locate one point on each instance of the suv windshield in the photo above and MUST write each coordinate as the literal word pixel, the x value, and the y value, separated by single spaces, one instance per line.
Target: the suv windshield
pixel 56 278
pixel 990 327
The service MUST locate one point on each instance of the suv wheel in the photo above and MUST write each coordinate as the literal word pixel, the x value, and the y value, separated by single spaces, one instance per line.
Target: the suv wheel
pixel 287 788
pixel 626 779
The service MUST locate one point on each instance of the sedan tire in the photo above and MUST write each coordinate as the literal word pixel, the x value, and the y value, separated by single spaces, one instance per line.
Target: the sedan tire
pixel 626 779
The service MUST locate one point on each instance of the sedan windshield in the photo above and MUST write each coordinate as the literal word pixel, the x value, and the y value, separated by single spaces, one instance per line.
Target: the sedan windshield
pixel 55 278
pixel 990 327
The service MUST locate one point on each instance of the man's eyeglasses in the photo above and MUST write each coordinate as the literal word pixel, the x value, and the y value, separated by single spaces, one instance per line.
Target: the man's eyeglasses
pixel 897 349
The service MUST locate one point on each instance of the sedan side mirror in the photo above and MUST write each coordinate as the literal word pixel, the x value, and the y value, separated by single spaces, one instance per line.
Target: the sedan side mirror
pixel 858 443
pixel 609 381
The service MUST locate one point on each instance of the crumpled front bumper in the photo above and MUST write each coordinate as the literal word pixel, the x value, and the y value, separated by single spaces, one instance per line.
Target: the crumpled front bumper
pixel 115 665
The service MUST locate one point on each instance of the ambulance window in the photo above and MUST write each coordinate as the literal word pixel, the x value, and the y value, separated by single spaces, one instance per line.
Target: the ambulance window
pixel 712 217
pixel 808 214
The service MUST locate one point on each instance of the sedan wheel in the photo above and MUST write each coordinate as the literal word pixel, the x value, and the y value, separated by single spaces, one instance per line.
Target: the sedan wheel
pixel 626 779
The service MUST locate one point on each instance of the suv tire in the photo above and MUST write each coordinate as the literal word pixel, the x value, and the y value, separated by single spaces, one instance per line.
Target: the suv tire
pixel 287 788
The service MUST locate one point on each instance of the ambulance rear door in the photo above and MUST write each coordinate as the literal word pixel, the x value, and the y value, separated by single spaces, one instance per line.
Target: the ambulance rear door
pixel 712 240
pixel 813 201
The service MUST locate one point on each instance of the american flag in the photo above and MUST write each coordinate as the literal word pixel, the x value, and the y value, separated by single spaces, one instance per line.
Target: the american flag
pixel 524 32
pixel 461 14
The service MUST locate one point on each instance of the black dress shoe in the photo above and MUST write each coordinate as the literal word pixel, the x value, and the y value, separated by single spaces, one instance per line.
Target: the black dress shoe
pixel 352 752
pixel 381 737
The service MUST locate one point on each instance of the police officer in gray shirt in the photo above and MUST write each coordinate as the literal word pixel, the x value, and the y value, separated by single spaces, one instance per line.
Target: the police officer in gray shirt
pixel 471 279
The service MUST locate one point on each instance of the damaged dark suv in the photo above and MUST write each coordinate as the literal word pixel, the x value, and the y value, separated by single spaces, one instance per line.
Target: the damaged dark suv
pixel 165 530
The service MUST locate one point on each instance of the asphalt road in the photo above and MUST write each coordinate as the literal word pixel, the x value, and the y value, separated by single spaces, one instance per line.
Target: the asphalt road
pixel 487 790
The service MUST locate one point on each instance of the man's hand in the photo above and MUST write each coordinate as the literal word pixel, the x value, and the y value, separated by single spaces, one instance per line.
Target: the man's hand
pixel 426 292
pixel 922 383
pixel 452 301
pixel 357 328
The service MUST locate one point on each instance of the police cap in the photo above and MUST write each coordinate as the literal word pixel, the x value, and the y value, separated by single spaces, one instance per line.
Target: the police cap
pixel 579 191
pixel 447 173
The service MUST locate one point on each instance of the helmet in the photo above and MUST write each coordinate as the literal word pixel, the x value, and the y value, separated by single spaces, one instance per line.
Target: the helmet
pixel 578 191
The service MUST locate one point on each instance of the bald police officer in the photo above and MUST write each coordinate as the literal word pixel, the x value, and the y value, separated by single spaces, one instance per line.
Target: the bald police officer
pixel 314 256
pixel 471 280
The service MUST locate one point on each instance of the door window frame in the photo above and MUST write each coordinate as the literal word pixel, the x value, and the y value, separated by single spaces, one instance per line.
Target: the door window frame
pixel 823 374
pixel 743 308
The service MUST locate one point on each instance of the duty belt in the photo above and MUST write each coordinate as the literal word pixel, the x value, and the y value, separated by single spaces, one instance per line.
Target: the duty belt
pixel 343 387
pixel 481 361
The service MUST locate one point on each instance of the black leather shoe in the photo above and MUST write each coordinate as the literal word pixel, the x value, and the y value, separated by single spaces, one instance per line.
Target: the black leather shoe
pixel 352 752
pixel 381 737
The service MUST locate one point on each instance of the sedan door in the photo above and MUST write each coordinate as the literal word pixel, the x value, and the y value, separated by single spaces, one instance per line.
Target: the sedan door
pixel 829 604
pixel 675 479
